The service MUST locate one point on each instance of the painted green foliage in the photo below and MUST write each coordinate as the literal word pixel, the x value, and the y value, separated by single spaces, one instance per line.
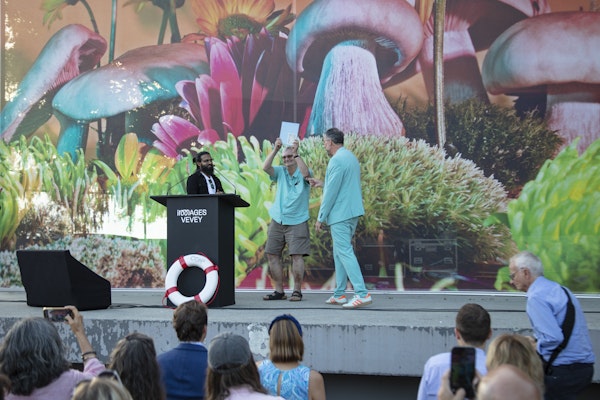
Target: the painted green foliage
pixel 557 217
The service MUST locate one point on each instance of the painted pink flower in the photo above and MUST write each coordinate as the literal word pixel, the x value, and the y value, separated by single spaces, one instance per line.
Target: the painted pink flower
pixel 176 134
pixel 250 89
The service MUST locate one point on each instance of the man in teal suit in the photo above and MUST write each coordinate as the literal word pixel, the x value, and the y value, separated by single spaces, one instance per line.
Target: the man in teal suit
pixel 340 208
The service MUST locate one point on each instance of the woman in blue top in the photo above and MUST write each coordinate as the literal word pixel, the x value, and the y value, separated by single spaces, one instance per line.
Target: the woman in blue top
pixel 283 374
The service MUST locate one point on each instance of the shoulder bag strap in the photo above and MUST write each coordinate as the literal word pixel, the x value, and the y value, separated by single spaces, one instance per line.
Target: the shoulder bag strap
pixel 567 329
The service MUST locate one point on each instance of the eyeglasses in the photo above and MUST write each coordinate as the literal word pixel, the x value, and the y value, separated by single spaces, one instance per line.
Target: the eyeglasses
pixel 513 274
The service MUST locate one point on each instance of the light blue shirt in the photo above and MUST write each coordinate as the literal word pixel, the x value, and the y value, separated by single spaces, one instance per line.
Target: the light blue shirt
pixel 292 197
pixel 436 366
pixel 342 194
pixel 294 382
pixel 546 309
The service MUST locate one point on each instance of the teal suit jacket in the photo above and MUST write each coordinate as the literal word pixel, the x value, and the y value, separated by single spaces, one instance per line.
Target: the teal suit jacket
pixel 342 194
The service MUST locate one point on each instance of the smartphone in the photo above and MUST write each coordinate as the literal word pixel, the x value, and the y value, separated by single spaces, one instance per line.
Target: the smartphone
pixel 56 314
pixel 462 370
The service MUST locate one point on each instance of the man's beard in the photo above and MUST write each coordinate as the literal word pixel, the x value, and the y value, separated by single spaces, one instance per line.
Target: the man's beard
pixel 208 170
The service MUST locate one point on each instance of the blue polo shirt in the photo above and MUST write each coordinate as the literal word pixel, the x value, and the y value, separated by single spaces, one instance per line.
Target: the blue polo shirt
pixel 291 200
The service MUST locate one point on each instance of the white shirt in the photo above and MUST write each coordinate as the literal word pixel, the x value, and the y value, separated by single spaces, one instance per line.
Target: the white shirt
pixel 436 366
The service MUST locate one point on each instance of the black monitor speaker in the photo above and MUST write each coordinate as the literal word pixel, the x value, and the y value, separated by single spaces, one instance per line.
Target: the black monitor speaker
pixel 53 278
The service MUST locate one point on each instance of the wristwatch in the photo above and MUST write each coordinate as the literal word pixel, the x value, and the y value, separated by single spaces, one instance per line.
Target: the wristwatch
pixel 297 155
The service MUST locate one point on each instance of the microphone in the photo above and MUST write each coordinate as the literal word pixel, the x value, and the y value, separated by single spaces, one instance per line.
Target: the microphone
pixel 228 181
pixel 175 184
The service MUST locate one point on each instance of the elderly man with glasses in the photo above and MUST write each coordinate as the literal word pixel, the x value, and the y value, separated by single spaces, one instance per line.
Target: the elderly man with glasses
pixel 289 218
pixel 561 333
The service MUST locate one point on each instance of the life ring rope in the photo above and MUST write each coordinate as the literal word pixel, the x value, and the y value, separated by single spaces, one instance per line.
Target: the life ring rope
pixel 211 286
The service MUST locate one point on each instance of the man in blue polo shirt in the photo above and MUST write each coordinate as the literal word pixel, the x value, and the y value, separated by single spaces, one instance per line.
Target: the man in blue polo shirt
pixel 289 214
pixel 572 370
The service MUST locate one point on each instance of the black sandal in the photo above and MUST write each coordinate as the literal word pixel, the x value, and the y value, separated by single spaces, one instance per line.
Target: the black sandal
pixel 296 296
pixel 275 296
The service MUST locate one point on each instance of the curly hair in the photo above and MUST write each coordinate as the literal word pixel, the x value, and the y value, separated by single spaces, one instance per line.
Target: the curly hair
pixel 134 358
pixel 189 321
pixel 32 355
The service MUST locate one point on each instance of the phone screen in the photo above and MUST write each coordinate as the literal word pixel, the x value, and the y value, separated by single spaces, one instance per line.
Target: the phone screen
pixel 462 370
pixel 56 314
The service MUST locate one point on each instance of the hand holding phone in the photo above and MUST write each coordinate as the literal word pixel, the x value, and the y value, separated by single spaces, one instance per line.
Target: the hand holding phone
pixel 57 314
pixel 462 370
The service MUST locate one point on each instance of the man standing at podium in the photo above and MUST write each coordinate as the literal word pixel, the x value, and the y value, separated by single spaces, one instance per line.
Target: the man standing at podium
pixel 289 218
pixel 203 181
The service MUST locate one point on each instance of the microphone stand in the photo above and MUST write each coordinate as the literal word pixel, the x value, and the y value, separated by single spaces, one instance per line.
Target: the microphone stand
pixel 228 181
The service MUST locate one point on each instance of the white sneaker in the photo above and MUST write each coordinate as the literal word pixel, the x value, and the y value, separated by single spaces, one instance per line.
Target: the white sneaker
pixel 337 300
pixel 358 301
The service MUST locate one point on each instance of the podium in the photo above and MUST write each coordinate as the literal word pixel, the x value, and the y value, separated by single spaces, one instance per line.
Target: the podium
pixel 203 223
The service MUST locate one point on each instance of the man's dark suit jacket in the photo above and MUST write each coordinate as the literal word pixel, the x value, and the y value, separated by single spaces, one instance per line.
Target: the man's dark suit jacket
pixel 196 184
pixel 183 371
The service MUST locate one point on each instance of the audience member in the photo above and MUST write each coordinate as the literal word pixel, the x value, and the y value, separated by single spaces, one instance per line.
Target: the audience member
pixel 473 328
pixel 134 358
pixel 502 383
pixel 183 369
pixel 516 350
pixel 549 307
pixel 33 357
pixel 4 383
pixel 106 386
pixel 283 374
pixel 232 373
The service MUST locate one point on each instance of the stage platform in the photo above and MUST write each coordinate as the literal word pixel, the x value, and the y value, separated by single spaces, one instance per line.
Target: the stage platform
pixel 392 337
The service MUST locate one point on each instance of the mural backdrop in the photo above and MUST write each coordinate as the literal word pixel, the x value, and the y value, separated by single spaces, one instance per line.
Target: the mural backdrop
pixel 489 148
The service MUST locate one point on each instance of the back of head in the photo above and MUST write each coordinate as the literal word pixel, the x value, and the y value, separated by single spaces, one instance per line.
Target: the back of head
pixel 134 358
pixel 474 324
pixel 508 382
pixel 335 135
pixel 32 355
pixel 230 364
pixel 518 351
pixel 4 386
pixel 101 389
pixel 285 339
pixel 189 321
pixel 530 261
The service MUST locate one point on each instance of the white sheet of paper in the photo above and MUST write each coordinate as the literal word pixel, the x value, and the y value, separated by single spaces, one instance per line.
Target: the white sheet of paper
pixel 289 132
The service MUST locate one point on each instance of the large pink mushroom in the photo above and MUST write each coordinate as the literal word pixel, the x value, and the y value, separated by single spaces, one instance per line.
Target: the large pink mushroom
pixel 556 54
pixel 351 47
pixel 470 26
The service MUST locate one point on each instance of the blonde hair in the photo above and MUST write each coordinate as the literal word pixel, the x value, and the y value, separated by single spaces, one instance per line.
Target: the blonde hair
pixel 517 350
pixel 101 389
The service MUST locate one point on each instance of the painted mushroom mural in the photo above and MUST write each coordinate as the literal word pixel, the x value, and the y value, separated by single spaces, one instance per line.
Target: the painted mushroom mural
pixel 556 54
pixel 247 65
pixel 351 47
pixel 470 26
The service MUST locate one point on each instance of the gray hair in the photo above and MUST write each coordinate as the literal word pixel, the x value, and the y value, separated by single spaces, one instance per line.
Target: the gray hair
pixel 530 261
pixel 335 135
pixel 32 355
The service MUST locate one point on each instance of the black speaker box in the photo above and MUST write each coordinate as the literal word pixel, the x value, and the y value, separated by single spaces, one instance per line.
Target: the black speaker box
pixel 53 278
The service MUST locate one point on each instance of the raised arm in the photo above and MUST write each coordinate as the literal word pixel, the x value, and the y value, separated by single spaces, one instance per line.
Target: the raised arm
pixel 268 165
pixel 299 161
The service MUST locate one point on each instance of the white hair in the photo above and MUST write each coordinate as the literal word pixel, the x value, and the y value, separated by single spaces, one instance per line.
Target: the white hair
pixel 528 260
